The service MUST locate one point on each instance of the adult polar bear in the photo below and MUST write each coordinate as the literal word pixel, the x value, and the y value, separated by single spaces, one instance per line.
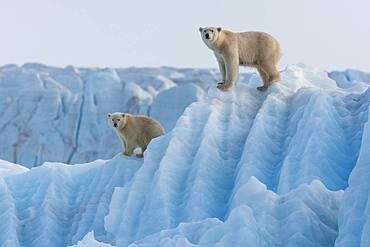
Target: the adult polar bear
pixel 253 49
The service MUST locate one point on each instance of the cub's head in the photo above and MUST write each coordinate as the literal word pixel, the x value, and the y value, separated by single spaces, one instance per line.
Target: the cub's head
pixel 210 34
pixel 117 120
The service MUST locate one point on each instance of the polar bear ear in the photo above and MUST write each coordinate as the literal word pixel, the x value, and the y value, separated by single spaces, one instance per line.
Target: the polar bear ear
pixel 219 29
pixel 200 29
pixel 109 115
pixel 123 115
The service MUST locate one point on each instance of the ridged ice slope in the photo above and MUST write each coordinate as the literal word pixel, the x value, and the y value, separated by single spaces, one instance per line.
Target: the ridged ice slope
pixel 354 214
pixel 301 130
pixel 57 204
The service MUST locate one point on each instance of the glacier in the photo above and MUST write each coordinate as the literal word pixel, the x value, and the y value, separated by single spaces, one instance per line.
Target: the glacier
pixel 287 167
pixel 44 107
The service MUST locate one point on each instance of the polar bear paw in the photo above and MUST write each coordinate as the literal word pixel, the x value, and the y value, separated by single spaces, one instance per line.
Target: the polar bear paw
pixel 140 155
pixel 224 86
pixel 262 88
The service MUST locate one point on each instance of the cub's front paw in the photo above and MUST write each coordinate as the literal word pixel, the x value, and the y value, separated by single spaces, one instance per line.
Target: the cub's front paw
pixel 220 83
pixel 224 87
pixel 140 155
pixel 262 88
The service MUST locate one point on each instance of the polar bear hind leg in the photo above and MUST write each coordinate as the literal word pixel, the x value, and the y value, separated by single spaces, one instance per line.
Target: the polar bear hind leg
pixel 269 75
pixel 143 148
pixel 143 144
pixel 265 78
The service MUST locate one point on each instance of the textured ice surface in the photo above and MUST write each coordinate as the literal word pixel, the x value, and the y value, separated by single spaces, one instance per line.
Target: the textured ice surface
pixel 262 218
pixel 57 204
pixel 346 79
pixel 7 168
pixel 238 168
pixel 169 105
pixel 354 215
pixel 89 241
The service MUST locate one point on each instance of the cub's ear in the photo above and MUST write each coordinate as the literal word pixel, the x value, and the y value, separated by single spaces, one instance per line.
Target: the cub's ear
pixel 200 29
pixel 219 29
pixel 109 115
pixel 123 115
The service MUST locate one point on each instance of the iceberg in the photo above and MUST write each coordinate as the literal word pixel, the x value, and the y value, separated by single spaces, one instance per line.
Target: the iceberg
pixel 287 167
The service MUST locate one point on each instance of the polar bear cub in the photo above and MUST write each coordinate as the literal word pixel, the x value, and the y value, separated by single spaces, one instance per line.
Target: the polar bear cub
pixel 134 131
pixel 254 49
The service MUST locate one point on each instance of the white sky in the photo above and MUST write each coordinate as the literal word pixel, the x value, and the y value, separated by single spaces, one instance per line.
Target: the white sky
pixel 329 34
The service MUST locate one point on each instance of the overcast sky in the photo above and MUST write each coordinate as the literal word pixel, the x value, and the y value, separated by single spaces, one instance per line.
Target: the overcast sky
pixel 329 34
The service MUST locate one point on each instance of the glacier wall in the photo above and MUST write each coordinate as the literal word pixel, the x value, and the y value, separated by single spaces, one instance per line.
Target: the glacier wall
pixel 55 114
pixel 287 167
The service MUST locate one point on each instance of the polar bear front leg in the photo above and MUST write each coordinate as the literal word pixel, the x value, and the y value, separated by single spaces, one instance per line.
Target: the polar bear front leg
pixel 222 68
pixel 130 147
pixel 124 146
pixel 123 142
pixel 232 71
pixel 269 75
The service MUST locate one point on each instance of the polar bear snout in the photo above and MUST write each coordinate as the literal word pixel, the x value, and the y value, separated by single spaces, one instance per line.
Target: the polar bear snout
pixel 207 36
pixel 115 125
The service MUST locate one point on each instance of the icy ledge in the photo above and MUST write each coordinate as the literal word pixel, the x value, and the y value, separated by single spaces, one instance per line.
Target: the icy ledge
pixel 240 167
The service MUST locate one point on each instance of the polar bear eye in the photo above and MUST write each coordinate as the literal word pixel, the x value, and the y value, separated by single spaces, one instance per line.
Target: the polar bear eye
pixel 211 31
pixel 112 120
pixel 118 120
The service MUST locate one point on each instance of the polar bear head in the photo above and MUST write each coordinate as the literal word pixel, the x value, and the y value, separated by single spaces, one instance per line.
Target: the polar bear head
pixel 210 34
pixel 117 120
